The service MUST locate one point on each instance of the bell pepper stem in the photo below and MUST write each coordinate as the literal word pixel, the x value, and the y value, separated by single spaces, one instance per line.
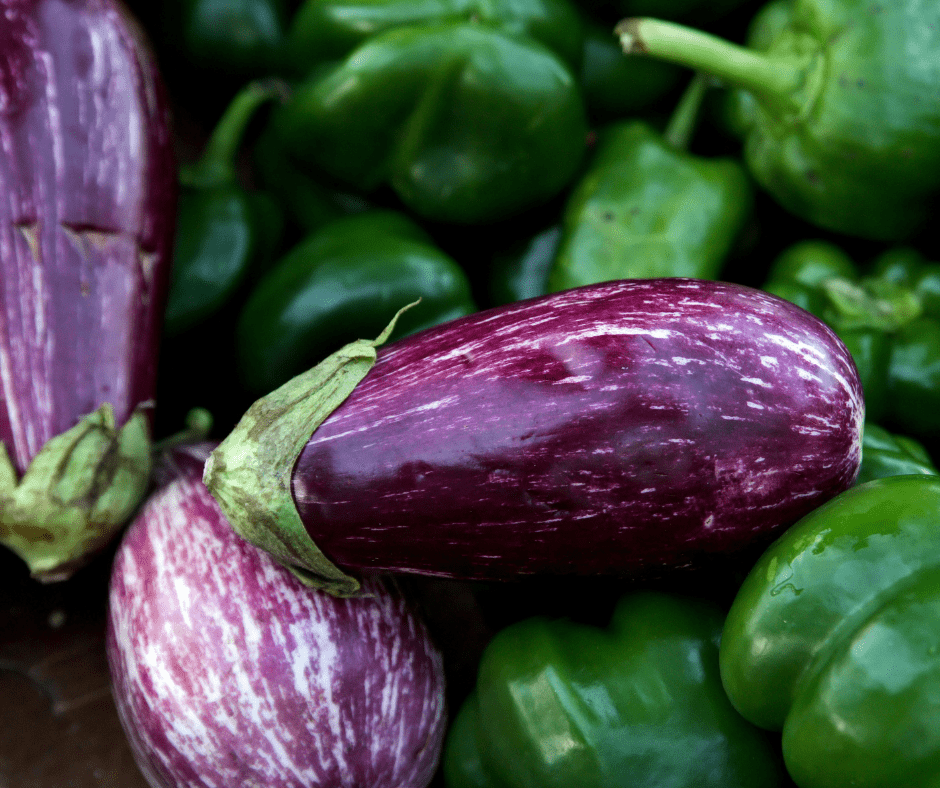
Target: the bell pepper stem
pixel 731 63
pixel 216 166
pixel 682 123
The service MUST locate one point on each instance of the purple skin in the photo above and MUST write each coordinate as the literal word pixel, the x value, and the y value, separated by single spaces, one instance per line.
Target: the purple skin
pixel 87 212
pixel 228 671
pixel 618 428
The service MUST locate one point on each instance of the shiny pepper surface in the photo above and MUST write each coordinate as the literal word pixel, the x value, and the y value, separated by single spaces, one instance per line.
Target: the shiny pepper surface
pixel 842 125
pixel 834 637
pixel 885 454
pixel 466 123
pixel 324 30
pixel 223 230
pixel 560 704
pixel 647 207
pixel 237 37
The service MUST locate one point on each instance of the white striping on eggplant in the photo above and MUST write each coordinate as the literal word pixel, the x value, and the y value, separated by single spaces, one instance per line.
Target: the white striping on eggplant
pixel 88 182
pixel 683 401
pixel 228 671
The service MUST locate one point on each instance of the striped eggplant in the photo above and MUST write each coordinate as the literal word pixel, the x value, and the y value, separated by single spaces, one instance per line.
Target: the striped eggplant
pixel 228 671
pixel 614 428
pixel 87 201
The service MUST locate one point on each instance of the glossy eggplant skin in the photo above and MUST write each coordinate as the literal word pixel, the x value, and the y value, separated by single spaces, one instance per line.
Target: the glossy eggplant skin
pixel 87 202
pixel 616 428
pixel 228 671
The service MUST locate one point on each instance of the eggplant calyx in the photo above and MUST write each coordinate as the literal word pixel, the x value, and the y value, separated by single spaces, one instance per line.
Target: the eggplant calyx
pixel 77 492
pixel 249 473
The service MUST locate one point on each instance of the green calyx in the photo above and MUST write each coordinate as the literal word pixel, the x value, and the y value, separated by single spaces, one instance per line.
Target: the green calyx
pixel 77 492
pixel 249 473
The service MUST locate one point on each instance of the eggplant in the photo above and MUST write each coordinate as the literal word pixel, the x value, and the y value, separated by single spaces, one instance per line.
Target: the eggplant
pixel 617 429
pixel 228 671
pixel 87 212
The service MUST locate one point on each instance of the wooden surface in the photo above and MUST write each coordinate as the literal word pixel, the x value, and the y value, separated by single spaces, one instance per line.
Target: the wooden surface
pixel 58 724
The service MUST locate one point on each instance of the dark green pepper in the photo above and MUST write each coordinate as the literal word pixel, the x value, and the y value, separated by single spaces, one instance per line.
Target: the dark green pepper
pixel 560 704
pixel 844 126
pixel 325 30
pixel 222 228
pixel 235 37
pixel 342 283
pixel 800 272
pixel 885 454
pixel 646 207
pixel 834 638
pixel 466 123
pixel 521 270
pixel 308 201
pixel 889 319
pixel 615 86
pixel 692 11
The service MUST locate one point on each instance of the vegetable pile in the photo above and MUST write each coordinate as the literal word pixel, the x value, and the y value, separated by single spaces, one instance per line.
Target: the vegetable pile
pixel 473 395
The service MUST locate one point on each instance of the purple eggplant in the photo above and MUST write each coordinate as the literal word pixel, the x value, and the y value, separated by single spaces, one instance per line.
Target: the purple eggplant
pixel 610 429
pixel 228 671
pixel 87 212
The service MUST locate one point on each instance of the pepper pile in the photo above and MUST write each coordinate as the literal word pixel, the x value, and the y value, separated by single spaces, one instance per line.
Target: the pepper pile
pixel 341 159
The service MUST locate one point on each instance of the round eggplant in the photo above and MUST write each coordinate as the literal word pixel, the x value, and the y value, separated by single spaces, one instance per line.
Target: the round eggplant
pixel 227 671
pixel 611 429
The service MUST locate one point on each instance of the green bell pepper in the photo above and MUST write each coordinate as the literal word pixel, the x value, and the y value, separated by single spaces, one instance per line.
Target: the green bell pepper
pixel 222 228
pixel 325 30
pixel 562 704
pixel 308 201
pixel 243 38
pixel 889 319
pixel 342 283
pixel 834 638
pixel 521 270
pixel 770 20
pixel 885 454
pixel 646 207
pixel 844 126
pixel 616 87
pixel 466 123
